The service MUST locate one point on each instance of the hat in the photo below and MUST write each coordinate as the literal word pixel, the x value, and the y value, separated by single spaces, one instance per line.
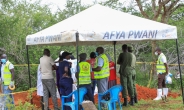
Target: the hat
pixel 65 53
pixel 61 53
pixel 83 55
pixel 130 48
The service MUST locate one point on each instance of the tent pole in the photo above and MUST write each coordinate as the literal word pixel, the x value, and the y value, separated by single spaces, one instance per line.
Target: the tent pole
pixel 114 43
pixel 28 66
pixel 115 55
pixel 77 52
pixel 179 69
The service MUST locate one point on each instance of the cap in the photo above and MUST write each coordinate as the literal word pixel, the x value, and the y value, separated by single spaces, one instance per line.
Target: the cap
pixel 130 48
pixel 61 53
pixel 65 53
pixel 83 55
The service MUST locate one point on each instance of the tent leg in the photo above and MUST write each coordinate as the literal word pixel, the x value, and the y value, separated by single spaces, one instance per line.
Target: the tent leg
pixel 77 52
pixel 115 56
pixel 28 66
pixel 115 53
pixel 179 69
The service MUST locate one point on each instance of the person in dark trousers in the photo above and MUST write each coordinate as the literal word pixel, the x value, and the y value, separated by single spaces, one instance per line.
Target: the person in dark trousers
pixel 162 71
pixel 66 88
pixel 49 86
pixel 60 59
pixel 130 49
pixel 92 62
pixel 83 73
pixel 125 60
pixel 65 80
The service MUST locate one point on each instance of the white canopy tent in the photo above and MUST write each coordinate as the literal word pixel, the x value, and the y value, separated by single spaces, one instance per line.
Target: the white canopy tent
pixel 99 25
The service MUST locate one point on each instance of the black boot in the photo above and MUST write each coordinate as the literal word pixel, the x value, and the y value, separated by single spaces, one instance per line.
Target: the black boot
pixel 132 101
pixel 125 102
pixel 135 99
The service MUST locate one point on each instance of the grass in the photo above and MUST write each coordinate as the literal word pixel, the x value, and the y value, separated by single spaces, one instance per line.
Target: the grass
pixel 172 104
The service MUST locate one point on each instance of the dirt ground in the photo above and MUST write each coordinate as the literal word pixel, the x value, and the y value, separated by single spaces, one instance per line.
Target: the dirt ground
pixel 143 93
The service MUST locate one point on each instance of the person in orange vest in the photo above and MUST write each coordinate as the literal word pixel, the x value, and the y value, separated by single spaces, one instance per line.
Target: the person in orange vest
pixel 112 77
pixel 92 62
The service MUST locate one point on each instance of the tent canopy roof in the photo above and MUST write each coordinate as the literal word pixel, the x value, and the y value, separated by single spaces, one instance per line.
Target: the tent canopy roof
pixel 102 25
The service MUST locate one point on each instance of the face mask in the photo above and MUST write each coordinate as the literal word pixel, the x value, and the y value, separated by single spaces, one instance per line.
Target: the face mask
pixel 3 61
pixel 156 53
pixel 96 53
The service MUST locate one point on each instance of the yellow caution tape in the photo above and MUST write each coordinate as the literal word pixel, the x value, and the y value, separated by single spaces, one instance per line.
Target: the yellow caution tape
pixel 136 62
pixel 26 64
pixel 155 63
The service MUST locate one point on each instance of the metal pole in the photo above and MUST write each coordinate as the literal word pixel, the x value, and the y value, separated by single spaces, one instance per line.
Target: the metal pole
pixel 77 50
pixel 28 66
pixel 179 68
pixel 114 54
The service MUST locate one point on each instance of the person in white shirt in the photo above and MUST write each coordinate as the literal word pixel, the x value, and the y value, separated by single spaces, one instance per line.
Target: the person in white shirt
pixel 162 71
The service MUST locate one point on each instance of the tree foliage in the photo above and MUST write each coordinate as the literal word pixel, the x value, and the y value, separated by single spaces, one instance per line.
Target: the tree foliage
pixel 19 18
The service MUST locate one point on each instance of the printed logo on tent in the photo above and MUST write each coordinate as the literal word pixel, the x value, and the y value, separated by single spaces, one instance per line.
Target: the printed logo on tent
pixel 166 33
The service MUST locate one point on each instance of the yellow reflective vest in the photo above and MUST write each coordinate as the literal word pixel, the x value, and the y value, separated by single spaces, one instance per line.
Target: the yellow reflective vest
pixel 7 74
pixel 85 73
pixel 160 65
pixel 104 73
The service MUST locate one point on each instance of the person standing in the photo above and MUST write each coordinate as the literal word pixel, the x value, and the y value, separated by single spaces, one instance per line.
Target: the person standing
pixel 83 74
pixel 65 80
pixel 162 71
pixel 125 60
pixel 49 86
pixel 1 90
pixel 130 49
pixel 66 88
pixel 59 59
pixel 101 70
pixel 92 62
pixel 73 62
pixel 7 75
pixel 112 77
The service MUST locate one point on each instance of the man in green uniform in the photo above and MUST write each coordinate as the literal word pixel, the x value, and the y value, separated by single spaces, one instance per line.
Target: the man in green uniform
pixel 130 49
pixel 125 60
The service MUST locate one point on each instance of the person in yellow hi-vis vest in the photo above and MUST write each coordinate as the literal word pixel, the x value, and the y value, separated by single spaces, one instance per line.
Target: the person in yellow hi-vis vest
pixel 162 71
pixel 84 74
pixel 101 70
pixel 7 76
